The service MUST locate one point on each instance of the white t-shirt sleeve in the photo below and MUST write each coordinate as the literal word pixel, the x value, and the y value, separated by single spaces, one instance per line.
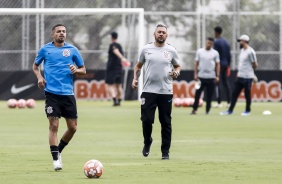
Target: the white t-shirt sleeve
pixel 253 56
pixel 175 58
pixel 142 58
pixel 217 60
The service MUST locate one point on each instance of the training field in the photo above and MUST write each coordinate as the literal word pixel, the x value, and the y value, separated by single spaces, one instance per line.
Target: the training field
pixel 205 148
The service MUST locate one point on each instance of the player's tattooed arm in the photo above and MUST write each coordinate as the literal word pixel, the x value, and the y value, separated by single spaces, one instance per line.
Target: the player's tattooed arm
pixel 137 72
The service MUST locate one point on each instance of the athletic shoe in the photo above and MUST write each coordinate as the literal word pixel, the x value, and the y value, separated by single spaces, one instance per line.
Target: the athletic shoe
pixel 60 159
pixel 57 165
pixel 225 113
pixel 227 105
pixel 246 113
pixel 165 156
pixel 217 105
pixel 194 112
pixel 146 149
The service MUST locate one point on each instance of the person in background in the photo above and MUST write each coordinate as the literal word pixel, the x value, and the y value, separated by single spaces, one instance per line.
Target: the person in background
pixel 114 70
pixel 206 73
pixel 245 76
pixel 223 48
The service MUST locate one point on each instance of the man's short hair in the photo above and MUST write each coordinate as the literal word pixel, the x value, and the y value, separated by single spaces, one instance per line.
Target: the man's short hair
pixel 161 25
pixel 210 39
pixel 57 25
pixel 114 35
pixel 218 29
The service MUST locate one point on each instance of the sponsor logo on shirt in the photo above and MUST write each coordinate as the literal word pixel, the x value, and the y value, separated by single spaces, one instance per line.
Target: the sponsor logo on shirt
pixel 66 52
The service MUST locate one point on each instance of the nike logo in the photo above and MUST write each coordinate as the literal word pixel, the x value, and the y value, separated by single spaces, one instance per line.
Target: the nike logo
pixel 15 90
pixel 170 100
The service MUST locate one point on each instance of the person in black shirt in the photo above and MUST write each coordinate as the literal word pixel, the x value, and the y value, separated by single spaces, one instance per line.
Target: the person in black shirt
pixel 223 48
pixel 114 71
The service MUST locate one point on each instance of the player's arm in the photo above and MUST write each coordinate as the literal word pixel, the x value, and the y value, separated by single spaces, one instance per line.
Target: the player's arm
pixel 137 72
pixel 176 72
pixel 196 68
pixel 41 81
pixel 77 58
pixel 217 71
pixel 120 56
pixel 36 70
pixel 255 65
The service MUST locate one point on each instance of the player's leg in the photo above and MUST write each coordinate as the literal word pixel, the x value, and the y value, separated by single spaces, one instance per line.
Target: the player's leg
pixel 226 85
pixel 69 112
pixel 164 103
pixel 118 88
pixel 148 108
pixel 197 96
pixel 209 94
pixel 247 91
pixel 53 113
pixel 110 80
pixel 239 85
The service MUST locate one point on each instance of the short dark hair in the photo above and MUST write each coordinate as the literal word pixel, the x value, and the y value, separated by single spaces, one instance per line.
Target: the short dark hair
pixel 210 39
pixel 57 25
pixel 161 25
pixel 114 35
pixel 218 29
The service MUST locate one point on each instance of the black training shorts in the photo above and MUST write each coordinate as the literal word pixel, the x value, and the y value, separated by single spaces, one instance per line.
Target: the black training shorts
pixel 114 77
pixel 60 106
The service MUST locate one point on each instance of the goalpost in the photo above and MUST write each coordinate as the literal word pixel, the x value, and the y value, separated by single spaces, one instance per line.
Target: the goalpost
pixel 81 11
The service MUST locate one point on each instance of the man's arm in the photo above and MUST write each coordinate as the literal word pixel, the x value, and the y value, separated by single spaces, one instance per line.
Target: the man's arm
pixel 137 72
pixel 80 70
pixel 255 65
pixel 217 71
pixel 119 55
pixel 41 81
pixel 174 74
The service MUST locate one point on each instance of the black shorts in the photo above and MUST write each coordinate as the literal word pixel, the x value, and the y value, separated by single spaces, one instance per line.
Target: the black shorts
pixel 60 106
pixel 114 77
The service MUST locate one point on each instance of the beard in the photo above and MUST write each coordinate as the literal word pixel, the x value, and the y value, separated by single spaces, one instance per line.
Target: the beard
pixel 159 41
pixel 60 40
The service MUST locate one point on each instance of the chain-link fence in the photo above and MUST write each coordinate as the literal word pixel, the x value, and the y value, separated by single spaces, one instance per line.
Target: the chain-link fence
pixel 189 22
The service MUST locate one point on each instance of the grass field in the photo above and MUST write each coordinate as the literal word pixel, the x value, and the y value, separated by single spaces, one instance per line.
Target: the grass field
pixel 205 148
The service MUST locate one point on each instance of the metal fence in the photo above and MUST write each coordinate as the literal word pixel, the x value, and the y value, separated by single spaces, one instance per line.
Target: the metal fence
pixel 189 22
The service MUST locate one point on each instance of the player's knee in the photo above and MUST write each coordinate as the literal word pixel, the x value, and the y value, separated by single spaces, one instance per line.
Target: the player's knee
pixel 147 120
pixel 72 129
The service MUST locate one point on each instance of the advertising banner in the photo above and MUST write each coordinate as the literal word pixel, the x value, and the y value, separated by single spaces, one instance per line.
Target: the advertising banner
pixel 23 84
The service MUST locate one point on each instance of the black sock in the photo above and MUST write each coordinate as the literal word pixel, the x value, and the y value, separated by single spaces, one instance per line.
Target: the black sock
pixel 54 151
pixel 62 145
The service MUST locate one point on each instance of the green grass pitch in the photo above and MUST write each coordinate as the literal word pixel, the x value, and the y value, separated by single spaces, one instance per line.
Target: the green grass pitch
pixel 205 148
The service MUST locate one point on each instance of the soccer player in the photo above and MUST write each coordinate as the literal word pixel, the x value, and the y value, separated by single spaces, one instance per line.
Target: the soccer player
pixel 206 72
pixel 161 65
pixel 114 71
pixel 61 61
pixel 223 48
pixel 245 76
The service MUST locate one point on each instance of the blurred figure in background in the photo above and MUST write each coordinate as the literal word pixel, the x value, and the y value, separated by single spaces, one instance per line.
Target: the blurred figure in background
pixel 245 76
pixel 114 71
pixel 223 48
pixel 206 73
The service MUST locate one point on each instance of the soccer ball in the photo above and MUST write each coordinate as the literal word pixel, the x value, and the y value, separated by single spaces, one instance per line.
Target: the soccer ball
pixel 93 169
pixel 30 103
pixel 21 103
pixel 12 103
pixel 177 102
